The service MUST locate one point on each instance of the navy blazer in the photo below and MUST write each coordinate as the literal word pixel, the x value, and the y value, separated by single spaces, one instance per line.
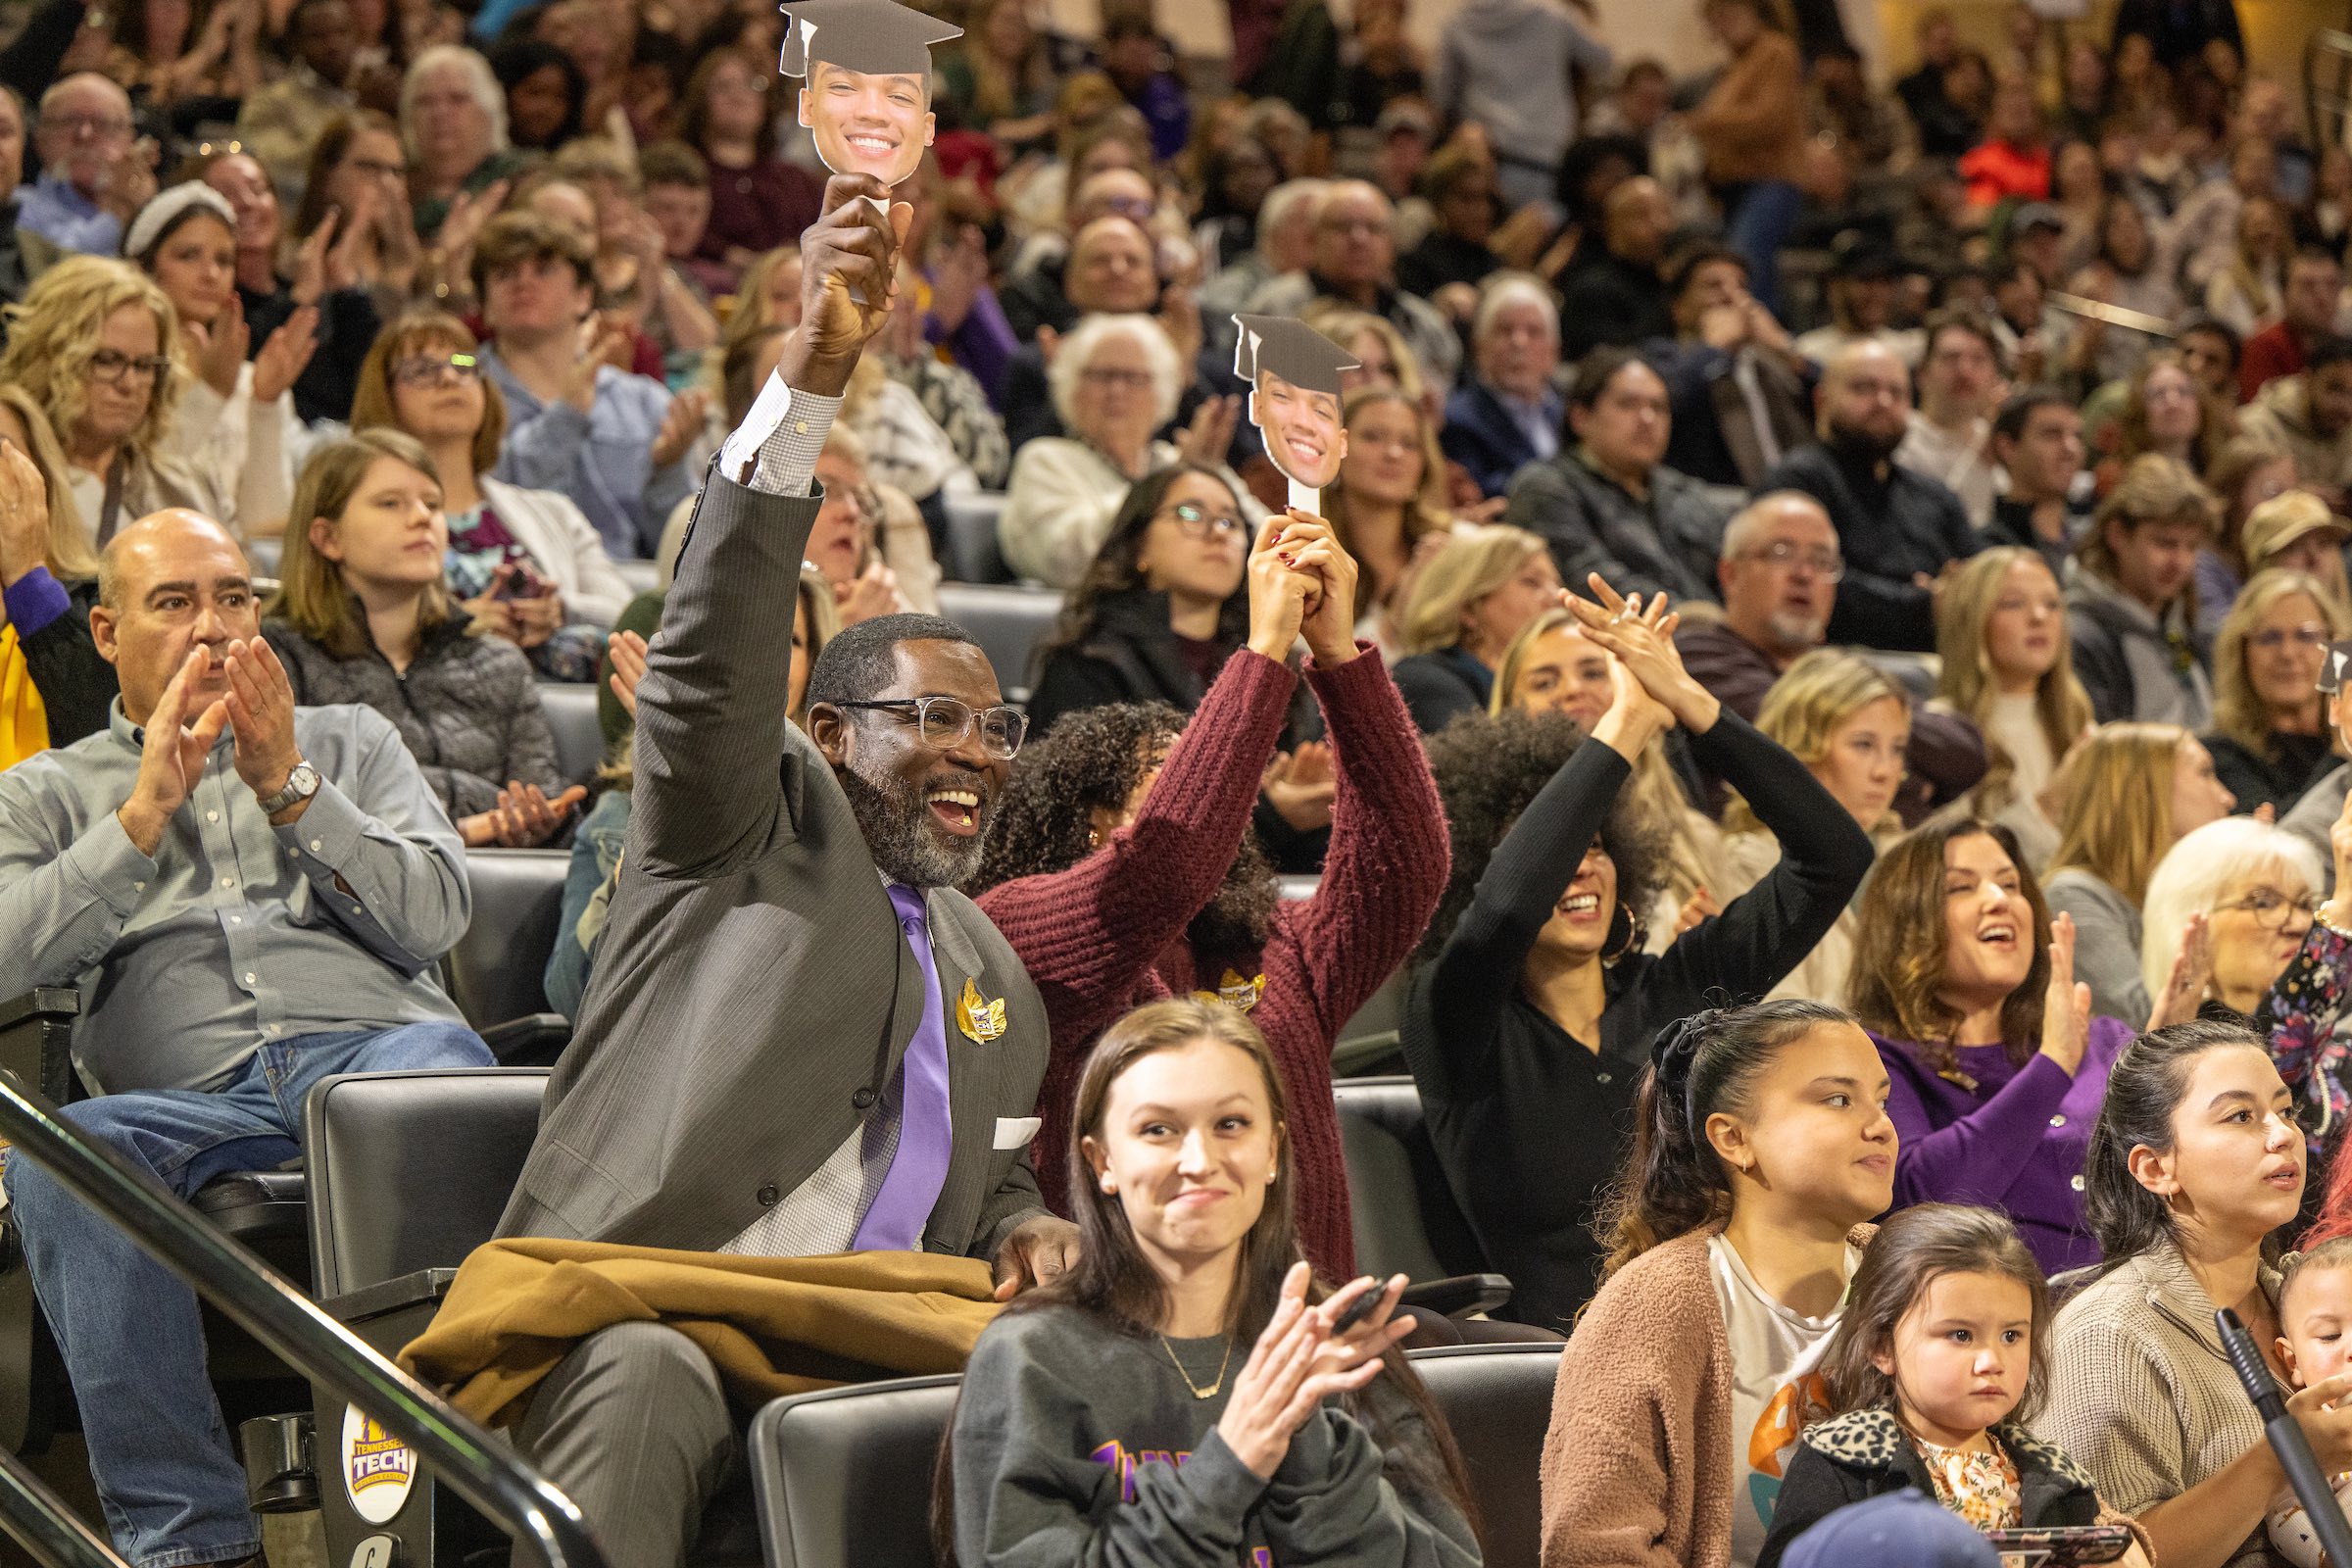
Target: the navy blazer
pixel 1483 437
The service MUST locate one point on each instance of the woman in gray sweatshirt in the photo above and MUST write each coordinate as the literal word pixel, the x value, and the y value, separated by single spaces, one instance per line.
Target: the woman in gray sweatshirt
pixel 1179 1396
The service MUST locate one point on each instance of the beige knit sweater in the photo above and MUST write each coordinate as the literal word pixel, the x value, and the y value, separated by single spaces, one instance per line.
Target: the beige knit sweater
pixel 2141 1395
pixel 1637 1464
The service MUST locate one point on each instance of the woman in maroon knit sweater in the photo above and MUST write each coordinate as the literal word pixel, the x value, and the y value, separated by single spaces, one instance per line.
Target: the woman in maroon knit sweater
pixel 1118 869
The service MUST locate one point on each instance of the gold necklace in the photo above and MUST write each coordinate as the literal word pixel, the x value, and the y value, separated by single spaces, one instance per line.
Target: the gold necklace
pixel 1199 1392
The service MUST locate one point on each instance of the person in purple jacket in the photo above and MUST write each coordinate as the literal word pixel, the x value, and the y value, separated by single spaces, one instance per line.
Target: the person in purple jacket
pixel 1997 1068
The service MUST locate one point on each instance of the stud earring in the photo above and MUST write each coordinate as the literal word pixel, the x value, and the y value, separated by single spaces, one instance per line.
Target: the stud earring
pixel 1111 1183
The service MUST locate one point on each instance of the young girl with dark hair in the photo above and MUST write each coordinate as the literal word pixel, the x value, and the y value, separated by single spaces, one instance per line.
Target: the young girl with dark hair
pixel 1940 1358
pixel 1761 1147
pixel 2195 1161
pixel 1106 1416
pixel 1529 1023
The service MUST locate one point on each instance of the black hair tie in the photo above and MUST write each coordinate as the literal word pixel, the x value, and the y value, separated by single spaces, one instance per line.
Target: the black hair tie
pixel 1675 1052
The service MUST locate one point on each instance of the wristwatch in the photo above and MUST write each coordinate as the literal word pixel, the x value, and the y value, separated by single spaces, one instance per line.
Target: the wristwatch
pixel 301 785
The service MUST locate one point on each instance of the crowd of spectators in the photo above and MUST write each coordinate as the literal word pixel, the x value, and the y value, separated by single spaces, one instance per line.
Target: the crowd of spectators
pixel 1818 686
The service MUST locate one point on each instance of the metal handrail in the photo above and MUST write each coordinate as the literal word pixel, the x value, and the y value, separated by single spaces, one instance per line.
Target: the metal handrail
pixel 46 1525
pixel 475 1465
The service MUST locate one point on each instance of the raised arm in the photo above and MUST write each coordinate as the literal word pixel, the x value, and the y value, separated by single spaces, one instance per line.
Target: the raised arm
pixel 1386 869
pixel 710 723
pixel 1087 934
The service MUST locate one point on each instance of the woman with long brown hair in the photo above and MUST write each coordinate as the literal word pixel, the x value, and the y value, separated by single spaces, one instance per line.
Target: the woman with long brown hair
pixel 1183 1393
pixel 1389 497
pixel 1996 1065
pixel 759 200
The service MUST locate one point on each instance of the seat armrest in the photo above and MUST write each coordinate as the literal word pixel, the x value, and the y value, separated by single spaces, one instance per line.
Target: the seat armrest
pixel 1463 1296
pixel 423 1288
pixel 532 1041
pixel 36 1041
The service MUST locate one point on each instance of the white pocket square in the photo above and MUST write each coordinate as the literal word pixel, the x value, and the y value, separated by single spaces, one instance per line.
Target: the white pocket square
pixel 1016 1132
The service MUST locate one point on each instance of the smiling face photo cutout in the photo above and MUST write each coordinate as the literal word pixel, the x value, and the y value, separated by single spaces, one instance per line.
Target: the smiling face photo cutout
pixel 866 92
pixel 1294 375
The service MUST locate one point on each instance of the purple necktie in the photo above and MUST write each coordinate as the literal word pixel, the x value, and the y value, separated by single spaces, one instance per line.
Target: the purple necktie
pixel 918 1167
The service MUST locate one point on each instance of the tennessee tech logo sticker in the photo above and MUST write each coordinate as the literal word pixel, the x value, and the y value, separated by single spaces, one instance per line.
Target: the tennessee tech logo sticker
pixel 378 1469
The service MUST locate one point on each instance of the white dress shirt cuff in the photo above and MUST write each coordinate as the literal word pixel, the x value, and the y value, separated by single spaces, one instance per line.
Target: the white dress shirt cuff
pixel 775 448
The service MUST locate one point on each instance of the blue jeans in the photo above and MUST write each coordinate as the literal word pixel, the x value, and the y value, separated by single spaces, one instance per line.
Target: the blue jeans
pixel 595 854
pixel 172 1490
pixel 1758 218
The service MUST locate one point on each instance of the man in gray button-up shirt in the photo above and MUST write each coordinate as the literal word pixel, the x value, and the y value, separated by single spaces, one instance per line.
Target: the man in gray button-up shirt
pixel 250 897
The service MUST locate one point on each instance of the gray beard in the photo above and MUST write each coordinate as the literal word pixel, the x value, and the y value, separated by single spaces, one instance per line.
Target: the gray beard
pixel 906 845
pixel 1791 631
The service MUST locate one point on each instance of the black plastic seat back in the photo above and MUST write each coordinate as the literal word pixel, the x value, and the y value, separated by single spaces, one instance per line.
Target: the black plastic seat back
pixel 1497 1399
pixel 1406 1219
pixel 571 717
pixel 411 1170
pixel 844 1475
pixel 498 971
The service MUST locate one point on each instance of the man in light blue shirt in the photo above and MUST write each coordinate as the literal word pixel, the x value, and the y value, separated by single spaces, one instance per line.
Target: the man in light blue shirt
pixel 613 443
pixel 93 175
pixel 250 897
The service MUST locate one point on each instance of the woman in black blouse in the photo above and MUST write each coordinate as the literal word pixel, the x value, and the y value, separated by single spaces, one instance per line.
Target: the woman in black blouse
pixel 1528 1021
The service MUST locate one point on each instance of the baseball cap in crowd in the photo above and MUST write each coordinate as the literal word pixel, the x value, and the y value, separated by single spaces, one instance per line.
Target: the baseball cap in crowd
pixel 2285 518
pixel 1904 1530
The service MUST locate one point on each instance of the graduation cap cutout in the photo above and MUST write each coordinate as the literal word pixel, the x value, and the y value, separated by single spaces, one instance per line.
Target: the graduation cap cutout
pixel 1294 374
pixel 865 126
pixel 2335 667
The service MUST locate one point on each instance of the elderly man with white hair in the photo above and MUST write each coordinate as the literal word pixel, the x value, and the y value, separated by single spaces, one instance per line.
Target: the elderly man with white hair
pixel 453 121
pixel 1116 379
pixel 1354 258
pixel 93 175
pixel 1285 243
pixel 1507 414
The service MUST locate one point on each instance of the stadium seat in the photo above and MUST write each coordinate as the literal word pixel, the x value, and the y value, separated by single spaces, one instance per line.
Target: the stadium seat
pixel 972 552
pixel 845 1475
pixel 1407 1220
pixel 497 971
pixel 262 555
pixel 570 709
pixel 1009 623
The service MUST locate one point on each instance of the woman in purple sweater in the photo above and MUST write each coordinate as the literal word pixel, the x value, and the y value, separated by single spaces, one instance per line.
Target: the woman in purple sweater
pixel 1997 1068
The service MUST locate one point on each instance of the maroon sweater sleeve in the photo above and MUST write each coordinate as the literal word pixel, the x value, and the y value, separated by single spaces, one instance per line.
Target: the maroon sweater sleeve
pixel 1382 879
pixel 1088 935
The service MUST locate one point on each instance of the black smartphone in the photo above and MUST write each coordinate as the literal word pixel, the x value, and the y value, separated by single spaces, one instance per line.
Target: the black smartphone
pixel 2063 1545
pixel 1359 1310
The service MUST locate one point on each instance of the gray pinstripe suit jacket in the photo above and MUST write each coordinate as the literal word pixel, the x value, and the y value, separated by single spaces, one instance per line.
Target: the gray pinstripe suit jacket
pixel 752 995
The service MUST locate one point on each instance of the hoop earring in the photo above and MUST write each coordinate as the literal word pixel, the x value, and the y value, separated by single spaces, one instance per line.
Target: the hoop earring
pixel 1637 933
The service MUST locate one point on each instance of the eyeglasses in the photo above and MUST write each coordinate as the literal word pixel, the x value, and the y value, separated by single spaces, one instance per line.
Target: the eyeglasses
pixel 1124 380
pixel 2272 908
pixel 115 369
pixel 426 370
pixel 104 126
pixel 1827 565
pixel 1194 520
pixel 2273 638
pixel 377 169
pixel 944 721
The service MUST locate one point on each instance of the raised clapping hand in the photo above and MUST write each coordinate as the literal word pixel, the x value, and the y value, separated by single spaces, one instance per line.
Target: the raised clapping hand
pixel 172 755
pixel 1302 784
pixel 1641 637
pixel 24 515
pixel 523 817
pixel 2337 911
pixel 1297 1363
pixel 261 715
pixel 628 649
pixel 2191 973
pixel 2066 1005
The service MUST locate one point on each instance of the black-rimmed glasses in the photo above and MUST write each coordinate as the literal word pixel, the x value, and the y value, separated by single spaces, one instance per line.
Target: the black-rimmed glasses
pixel 1194 520
pixel 425 370
pixel 944 721
pixel 2272 909
pixel 115 368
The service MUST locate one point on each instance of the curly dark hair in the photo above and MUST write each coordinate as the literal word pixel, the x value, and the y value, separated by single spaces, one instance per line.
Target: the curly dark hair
pixel 1096 756
pixel 1488 766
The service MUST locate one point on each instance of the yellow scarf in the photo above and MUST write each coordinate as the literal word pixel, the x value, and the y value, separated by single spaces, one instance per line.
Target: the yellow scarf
pixel 24 721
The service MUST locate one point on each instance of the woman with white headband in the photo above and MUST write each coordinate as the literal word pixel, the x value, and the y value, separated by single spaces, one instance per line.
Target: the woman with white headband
pixel 234 427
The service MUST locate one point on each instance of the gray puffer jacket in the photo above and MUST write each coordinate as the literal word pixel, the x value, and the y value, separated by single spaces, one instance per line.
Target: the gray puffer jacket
pixel 468 707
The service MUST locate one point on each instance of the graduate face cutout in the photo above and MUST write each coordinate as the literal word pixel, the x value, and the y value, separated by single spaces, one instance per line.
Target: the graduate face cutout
pixel 1305 437
pixel 865 124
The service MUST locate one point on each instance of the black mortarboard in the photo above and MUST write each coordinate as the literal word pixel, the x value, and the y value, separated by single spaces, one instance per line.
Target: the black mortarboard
pixel 2335 667
pixel 875 37
pixel 1292 350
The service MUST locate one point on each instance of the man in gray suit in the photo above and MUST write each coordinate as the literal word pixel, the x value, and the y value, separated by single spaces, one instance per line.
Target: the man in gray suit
pixel 798 1039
